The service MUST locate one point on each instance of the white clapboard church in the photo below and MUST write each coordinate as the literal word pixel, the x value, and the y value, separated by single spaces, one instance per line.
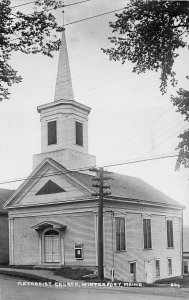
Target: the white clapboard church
pixel 53 215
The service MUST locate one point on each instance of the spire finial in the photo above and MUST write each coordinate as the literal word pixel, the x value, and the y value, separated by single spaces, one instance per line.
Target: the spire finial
pixel 63 15
pixel 63 89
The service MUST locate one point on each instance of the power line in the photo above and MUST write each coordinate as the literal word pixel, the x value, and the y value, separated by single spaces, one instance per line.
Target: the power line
pixel 172 135
pixel 149 167
pixel 85 19
pixel 140 160
pixel 144 129
pixel 87 169
pixel 64 5
pixel 99 15
pixel 168 129
pixel 26 3
pixel 89 17
pixel 140 146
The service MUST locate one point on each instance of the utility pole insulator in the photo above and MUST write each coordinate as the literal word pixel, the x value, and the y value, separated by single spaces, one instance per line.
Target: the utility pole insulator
pixel 96 185
pixel 106 186
pixel 96 179
pixel 94 170
pixel 107 193
pixel 107 178
pixel 96 194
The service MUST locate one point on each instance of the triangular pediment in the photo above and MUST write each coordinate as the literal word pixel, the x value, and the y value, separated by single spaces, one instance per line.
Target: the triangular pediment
pixel 49 183
pixel 50 187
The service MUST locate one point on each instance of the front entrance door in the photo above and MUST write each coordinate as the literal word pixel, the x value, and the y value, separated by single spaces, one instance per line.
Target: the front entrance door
pixel 52 246
pixel 148 271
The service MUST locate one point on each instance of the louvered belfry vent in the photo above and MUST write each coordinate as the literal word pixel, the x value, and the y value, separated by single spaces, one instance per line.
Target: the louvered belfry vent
pixel 50 187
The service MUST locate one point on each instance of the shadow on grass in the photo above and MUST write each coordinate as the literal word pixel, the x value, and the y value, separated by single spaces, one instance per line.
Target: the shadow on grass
pixel 183 281
pixel 26 276
pixel 72 273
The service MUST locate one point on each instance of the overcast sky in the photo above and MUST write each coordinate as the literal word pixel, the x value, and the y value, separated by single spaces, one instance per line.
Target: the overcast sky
pixel 130 119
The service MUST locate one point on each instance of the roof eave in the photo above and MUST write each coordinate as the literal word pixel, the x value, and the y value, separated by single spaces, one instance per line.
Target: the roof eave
pixel 144 202
pixel 52 203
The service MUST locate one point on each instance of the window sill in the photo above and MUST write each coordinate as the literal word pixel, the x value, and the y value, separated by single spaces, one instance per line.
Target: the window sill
pixel 147 249
pixel 118 251
pixel 79 145
pixel 52 144
pixel 170 248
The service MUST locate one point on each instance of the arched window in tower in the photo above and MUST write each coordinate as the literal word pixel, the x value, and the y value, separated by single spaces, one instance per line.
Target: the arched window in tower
pixel 52 132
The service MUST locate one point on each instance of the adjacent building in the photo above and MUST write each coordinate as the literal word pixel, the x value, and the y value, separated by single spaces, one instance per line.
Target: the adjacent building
pixel 53 215
pixel 186 250
pixel 4 231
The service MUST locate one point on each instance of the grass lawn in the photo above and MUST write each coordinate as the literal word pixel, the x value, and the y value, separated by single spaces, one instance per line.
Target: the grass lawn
pixel 66 272
pixel 26 277
pixel 79 273
pixel 182 281
pixel 72 273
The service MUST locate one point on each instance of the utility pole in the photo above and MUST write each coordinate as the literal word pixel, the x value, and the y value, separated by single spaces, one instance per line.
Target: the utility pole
pixel 100 185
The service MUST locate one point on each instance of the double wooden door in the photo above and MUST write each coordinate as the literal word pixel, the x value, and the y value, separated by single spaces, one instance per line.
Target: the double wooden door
pixel 52 248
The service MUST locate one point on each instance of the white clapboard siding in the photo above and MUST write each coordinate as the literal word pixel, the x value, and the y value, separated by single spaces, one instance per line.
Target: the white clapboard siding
pixel 135 251
pixel 79 229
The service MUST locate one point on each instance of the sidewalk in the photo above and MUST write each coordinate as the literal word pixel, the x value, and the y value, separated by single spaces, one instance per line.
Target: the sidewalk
pixel 33 274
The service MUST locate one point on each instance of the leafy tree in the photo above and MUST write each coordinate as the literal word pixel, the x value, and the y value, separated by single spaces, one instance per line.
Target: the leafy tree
pixel 27 33
pixel 150 35
pixel 181 101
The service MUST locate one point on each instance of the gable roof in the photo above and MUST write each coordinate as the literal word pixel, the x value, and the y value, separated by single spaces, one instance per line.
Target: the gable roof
pixel 35 175
pixel 4 195
pixel 129 187
pixel 122 186
pixel 186 239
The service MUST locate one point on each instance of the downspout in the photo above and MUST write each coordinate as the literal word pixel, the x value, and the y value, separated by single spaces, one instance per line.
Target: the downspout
pixel 182 245
pixel 113 271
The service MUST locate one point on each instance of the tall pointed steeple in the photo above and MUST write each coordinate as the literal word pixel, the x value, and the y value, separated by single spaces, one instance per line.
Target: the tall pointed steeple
pixel 63 89
pixel 64 122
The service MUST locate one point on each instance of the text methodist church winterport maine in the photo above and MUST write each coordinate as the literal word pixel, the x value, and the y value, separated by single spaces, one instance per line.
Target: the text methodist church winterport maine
pixel 53 215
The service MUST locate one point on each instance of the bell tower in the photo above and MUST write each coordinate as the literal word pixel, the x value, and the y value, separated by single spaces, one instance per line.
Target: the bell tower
pixel 64 122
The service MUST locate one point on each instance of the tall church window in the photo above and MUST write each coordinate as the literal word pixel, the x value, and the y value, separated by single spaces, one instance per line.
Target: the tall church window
pixel 79 133
pixel 170 234
pixel 120 234
pixel 52 132
pixel 147 233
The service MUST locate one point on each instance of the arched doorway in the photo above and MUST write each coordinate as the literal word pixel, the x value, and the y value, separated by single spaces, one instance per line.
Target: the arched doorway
pixel 52 246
